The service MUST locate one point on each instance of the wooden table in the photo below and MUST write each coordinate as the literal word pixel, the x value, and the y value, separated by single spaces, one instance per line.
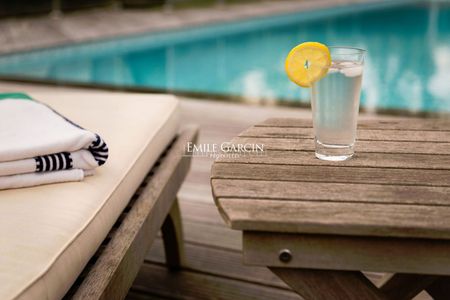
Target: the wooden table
pixel 317 224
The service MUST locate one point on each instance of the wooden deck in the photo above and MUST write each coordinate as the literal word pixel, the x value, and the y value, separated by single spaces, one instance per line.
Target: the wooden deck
pixel 213 267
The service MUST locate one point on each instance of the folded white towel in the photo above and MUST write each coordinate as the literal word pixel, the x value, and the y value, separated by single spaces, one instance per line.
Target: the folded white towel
pixel 40 146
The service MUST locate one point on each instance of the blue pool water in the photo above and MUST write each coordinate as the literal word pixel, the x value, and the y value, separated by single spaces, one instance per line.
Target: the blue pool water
pixel 407 65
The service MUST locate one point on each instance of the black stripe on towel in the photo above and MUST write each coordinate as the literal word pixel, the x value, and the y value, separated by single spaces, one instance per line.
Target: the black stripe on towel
pixel 61 161
pixel 46 160
pixel 53 159
pixel 68 160
pixel 99 150
pixel 38 160
pixel 54 162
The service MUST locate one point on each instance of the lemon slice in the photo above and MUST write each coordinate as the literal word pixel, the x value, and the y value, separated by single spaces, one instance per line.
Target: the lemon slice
pixel 307 63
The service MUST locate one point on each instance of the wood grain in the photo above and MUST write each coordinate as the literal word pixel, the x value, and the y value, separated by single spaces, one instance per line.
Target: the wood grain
pixel 153 279
pixel 217 262
pixel 136 295
pixel 330 174
pixel 324 285
pixel 361 159
pixel 384 193
pixel 316 217
pixel 362 134
pixel 339 252
pixel 289 144
pixel 385 210
pixel 397 124
pixel 204 213
pixel 206 234
pixel 335 192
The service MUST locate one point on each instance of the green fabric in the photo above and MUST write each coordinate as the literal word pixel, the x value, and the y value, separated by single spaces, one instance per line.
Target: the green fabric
pixel 20 96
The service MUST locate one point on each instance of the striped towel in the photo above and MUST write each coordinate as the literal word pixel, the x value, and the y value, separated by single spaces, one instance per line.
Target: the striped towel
pixel 40 146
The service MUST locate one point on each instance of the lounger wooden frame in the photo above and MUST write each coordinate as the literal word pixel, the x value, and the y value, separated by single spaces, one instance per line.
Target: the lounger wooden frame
pixel 110 273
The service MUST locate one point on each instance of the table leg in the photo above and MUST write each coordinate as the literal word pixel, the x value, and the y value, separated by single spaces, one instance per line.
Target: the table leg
pixel 314 284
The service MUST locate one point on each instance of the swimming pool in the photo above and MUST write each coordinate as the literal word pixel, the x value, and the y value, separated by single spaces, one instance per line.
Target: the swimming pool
pixel 407 65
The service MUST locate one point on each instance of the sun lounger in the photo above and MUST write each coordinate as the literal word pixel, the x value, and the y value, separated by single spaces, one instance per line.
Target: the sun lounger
pixel 88 239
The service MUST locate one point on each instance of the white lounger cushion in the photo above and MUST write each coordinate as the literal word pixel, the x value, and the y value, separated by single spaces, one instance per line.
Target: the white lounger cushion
pixel 48 233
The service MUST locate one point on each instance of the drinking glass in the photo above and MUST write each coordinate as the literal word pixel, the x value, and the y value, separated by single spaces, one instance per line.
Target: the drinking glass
pixel 335 104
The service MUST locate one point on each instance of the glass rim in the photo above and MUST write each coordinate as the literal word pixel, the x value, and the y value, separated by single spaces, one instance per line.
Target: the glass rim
pixel 355 50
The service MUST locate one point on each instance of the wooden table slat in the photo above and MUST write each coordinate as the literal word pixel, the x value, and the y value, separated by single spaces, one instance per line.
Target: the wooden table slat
pixel 361 146
pixel 362 135
pixel 336 218
pixel 399 123
pixel 333 192
pixel 361 159
pixel 331 174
